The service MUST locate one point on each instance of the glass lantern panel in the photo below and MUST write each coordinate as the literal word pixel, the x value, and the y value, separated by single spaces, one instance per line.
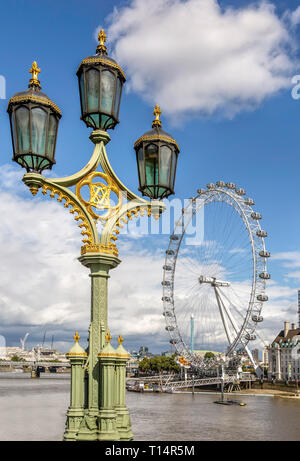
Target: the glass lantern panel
pixel 51 135
pixel 118 96
pixel 107 90
pixel 38 127
pixel 141 166
pixel 23 131
pixel 151 164
pixel 173 171
pixel 165 157
pixel 82 92
pixel 92 84
pixel 29 161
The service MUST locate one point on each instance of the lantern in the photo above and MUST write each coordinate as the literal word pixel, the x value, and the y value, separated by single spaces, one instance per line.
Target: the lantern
pixel 101 81
pixel 34 120
pixel 156 155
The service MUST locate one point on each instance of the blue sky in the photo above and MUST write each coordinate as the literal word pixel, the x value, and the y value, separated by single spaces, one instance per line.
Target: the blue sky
pixel 252 141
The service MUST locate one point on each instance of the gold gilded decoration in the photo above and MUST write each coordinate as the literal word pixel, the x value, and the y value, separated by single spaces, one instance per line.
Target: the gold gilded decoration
pixel 120 339
pixel 76 337
pixel 100 59
pixel 79 216
pixel 35 72
pixel 100 248
pixel 100 195
pixel 34 190
pixel 30 97
pixel 157 112
pixel 157 137
pixel 133 213
pixel 102 40
pixel 108 337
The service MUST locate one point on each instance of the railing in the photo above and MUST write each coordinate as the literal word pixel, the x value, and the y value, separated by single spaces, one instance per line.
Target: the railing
pixel 12 363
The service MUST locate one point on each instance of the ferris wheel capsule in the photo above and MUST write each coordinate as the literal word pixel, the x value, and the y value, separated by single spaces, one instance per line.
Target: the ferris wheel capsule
pixel 167 268
pixel 173 341
pixel 265 276
pixel 241 192
pixel 249 202
pixel 262 298
pixel 256 216
pixel 166 283
pixel 264 254
pixel 210 185
pixel 201 191
pixel 170 252
pixel 230 185
pixel 220 184
pixel 257 318
pixel 261 233
pixel 250 337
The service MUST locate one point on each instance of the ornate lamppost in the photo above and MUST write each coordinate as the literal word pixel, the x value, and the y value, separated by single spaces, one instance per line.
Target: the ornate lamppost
pixel 97 408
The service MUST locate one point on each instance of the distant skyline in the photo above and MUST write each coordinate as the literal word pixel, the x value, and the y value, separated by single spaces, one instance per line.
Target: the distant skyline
pixel 222 73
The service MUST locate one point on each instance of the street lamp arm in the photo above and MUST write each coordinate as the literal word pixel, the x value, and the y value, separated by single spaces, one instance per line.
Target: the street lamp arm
pixel 93 163
pixel 132 209
pixel 107 168
pixel 89 230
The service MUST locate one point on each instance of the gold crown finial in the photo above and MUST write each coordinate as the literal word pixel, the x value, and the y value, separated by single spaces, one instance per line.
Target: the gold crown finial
pixel 157 112
pixel 120 340
pixel 34 70
pixel 102 40
pixel 76 337
pixel 108 337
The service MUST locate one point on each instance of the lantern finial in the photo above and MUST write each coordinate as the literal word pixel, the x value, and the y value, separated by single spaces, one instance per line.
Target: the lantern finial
pixel 102 39
pixel 76 337
pixel 157 112
pixel 34 81
pixel 120 339
pixel 108 337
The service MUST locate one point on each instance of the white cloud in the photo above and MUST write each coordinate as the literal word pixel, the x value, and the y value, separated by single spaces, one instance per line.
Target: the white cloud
pixel 43 286
pixel 194 57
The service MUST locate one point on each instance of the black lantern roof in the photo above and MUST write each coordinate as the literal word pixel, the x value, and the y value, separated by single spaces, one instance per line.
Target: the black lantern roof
pixel 101 57
pixel 157 133
pixel 34 93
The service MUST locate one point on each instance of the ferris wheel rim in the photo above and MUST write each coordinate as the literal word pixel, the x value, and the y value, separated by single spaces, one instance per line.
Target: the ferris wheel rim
pixel 244 208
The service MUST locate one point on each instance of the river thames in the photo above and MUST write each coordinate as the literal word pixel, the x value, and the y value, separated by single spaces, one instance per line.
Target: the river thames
pixel 35 410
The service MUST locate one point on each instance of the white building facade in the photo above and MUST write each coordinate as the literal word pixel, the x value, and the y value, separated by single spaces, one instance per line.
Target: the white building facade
pixel 284 354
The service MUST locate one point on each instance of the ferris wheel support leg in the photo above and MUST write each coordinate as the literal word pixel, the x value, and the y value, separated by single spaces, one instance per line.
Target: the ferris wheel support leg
pixel 256 367
pixel 223 316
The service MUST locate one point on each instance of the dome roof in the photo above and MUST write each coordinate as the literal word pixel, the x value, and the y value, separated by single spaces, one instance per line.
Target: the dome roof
pixel 157 133
pixel 101 57
pixel 34 93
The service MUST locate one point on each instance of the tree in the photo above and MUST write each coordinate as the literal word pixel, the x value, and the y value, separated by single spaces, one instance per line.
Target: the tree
pixel 209 355
pixel 16 358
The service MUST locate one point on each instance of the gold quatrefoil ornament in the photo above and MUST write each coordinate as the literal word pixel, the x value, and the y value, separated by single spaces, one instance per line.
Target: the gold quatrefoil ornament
pixel 100 195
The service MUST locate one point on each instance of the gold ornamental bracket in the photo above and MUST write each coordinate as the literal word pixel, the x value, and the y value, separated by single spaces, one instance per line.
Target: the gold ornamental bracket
pixel 113 215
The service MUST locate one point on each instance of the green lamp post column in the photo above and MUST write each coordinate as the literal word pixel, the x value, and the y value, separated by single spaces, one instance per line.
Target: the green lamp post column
pixel 75 412
pixel 123 416
pixel 99 265
pixel 107 414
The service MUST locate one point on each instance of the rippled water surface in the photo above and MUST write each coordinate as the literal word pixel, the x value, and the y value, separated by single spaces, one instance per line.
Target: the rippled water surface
pixel 35 409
